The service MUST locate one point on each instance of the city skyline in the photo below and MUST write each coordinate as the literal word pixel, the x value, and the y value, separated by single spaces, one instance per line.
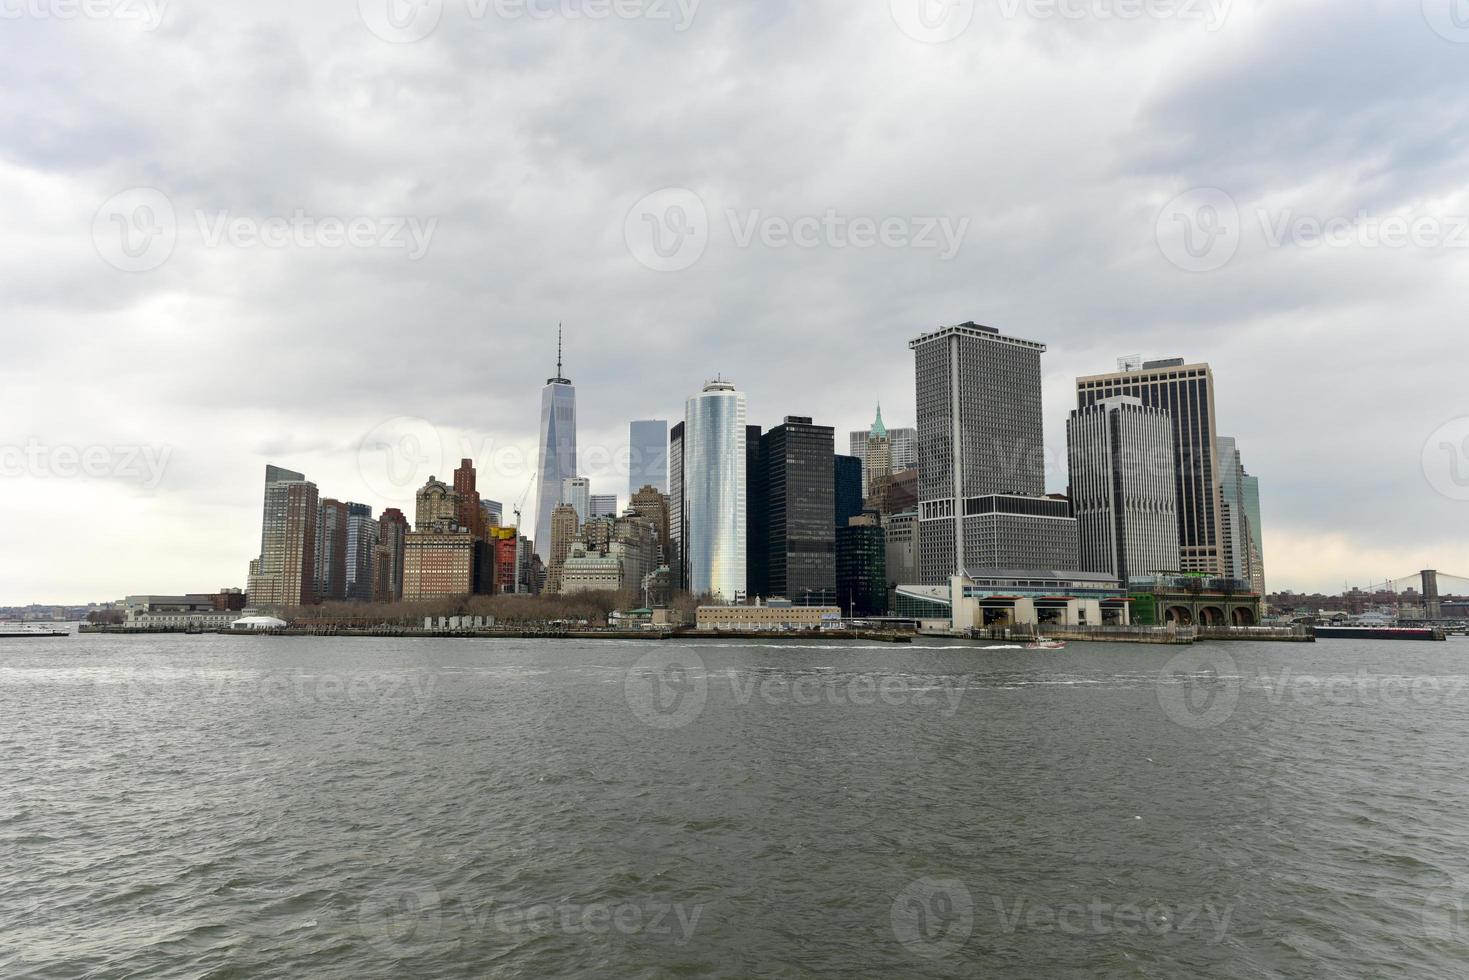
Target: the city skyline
pixel 612 477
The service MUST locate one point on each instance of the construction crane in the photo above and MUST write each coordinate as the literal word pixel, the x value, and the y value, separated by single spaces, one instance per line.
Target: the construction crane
pixel 515 509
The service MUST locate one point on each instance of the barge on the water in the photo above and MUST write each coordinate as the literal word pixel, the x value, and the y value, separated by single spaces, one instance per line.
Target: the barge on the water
pixel 1380 633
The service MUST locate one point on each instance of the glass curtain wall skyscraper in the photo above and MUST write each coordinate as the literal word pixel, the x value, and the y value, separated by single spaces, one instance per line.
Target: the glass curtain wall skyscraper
pixel 647 462
pixel 713 514
pixel 557 449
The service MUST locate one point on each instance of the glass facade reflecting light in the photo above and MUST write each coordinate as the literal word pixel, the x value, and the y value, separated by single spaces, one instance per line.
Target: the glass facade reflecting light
pixel 714 473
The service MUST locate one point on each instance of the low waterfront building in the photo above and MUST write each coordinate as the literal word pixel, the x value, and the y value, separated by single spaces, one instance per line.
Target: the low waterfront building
pixel 1195 600
pixel 193 611
pixel 775 615
pixel 994 598
pixel 258 623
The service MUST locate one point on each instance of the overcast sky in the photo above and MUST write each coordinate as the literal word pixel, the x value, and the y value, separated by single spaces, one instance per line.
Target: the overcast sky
pixel 239 234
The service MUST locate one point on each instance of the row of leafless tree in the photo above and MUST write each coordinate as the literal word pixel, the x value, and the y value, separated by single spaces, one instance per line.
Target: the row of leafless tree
pixel 591 607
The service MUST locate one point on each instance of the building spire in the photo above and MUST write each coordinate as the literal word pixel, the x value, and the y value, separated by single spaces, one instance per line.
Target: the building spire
pixel 560 378
pixel 878 429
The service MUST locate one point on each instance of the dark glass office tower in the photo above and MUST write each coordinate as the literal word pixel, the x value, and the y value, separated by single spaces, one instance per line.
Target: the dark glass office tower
pixel 862 588
pixel 848 480
pixel 757 561
pixel 797 511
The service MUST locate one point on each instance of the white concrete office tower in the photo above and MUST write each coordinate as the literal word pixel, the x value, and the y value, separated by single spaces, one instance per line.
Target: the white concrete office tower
pixel 1123 488
pixel 577 492
pixel 981 457
pixel 1239 511
pixel 647 463
pixel 557 450
pixel 713 488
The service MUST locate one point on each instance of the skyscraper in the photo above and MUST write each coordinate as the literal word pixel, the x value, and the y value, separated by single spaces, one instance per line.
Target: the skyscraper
pixel 877 466
pixel 577 492
pixel 847 477
pixel 362 536
pixel 981 480
pixel 284 574
pixel 564 525
pixel 1186 392
pixel 713 491
pixel 604 505
pixel 441 556
pixel 757 557
pixel 1243 552
pixel 471 514
pixel 1122 483
pixel 861 567
pixel 435 505
pixel 557 449
pixel 902 447
pixel 647 455
pixel 331 551
pixel 651 504
pixel 796 506
pixel 388 570
pixel 675 506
